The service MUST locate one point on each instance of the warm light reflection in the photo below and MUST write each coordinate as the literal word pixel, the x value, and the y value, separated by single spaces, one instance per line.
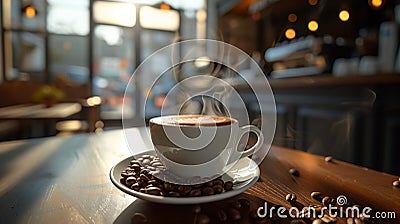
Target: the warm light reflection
pixel 164 6
pixel 375 3
pixel 93 101
pixel 313 25
pixel 153 18
pixel 116 13
pixel 30 12
pixel 312 2
pixel 290 33
pixel 344 15
pixel 202 62
pixel 292 17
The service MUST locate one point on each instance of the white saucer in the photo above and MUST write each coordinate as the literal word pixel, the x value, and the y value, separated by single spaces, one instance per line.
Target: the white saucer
pixel 243 174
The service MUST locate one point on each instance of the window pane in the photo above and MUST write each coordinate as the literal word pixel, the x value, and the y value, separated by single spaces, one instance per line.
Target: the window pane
pixel 28 15
pixel 151 41
pixel 114 63
pixel 115 13
pixel 153 18
pixel 25 56
pixel 69 60
pixel 68 17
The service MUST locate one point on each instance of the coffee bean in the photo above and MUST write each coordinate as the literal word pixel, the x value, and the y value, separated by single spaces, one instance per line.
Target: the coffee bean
pixel 350 221
pixel 144 177
pixel 157 164
pixel 122 180
pixel 207 191
pixel 294 172
pixel 328 219
pixel 208 184
pixel 153 182
pixel 197 185
pixel 130 180
pixel 129 170
pixel 291 198
pixel 218 189
pixel 328 159
pixel 134 162
pixel 244 202
pixel 196 209
pixel 145 156
pixel 136 167
pixel 203 219
pixel 297 221
pixel 145 171
pixel 328 201
pixel 317 196
pixel 151 168
pixel 141 182
pixel 168 186
pixel 396 183
pixel 233 214
pixel 363 218
pixel 153 191
pixel 125 174
pixel 146 162
pixel 195 192
pixel 135 187
pixel 185 189
pixel 221 215
pixel 218 182
pixel 236 204
pixel 317 221
pixel 174 194
pixel 139 218
pixel 228 185
pixel 305 214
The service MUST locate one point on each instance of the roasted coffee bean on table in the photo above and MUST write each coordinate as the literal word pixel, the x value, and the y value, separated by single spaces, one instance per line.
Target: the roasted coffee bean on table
pixel 141 174
pixel 328 159
pixel 317 196
pixel 291 198
pixel 202 219
pixel 139 218
pixel 328 201
pixel 294 172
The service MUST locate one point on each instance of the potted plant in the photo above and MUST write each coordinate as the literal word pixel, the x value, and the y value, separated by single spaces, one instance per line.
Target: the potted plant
pixel 48 95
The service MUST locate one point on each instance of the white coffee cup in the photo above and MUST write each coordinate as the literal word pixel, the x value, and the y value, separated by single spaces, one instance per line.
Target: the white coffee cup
pixel 200 145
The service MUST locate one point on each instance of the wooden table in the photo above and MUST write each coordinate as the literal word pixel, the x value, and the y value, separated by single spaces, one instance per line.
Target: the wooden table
pixel 39 111
pixel 66 180
pixel 39 116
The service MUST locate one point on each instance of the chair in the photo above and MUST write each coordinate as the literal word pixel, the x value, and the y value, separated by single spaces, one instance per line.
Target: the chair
pixel 90 121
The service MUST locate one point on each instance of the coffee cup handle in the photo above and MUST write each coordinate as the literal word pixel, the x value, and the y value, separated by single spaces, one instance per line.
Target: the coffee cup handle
pixel 260 139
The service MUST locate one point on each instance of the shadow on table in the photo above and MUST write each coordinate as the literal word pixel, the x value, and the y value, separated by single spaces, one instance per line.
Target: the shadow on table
pixel 165 213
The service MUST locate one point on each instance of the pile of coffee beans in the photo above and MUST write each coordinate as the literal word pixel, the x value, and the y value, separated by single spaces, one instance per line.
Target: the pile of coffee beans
pixel 146 174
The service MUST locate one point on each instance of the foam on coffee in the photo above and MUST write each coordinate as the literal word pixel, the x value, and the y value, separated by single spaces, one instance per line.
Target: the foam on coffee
pixel 194 120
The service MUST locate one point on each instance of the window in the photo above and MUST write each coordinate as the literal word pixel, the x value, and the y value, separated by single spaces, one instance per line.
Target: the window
pixel 68 17
pixel 55 40
pixel 114 63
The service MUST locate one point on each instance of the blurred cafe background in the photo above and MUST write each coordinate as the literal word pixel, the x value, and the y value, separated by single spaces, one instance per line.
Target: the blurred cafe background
pixel 334 67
